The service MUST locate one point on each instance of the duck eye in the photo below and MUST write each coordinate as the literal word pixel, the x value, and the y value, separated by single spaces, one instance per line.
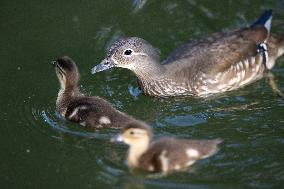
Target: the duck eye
pixel 128 52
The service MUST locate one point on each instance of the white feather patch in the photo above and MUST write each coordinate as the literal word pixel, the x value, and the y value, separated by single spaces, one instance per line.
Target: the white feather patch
pixel 192 153
pixel 104 120
pixel 75 111
pixel 267 24
pixel 164 161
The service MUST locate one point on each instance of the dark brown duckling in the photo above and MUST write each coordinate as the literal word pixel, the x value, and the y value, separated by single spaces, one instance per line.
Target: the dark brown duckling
pixel 222 62
pixel 165 154
pixel 75 106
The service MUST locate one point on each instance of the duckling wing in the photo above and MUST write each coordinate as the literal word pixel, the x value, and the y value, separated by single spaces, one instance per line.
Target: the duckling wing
pixel 160 155
pixel 173 154
pixel 81 107
pixel 202 148
pixel 78 110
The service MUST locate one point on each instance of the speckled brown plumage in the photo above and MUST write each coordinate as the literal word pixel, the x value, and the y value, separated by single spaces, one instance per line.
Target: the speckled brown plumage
pixel 221 62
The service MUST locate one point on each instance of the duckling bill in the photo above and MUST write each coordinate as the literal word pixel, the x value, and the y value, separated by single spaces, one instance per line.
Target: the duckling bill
pixel 165 154
pixel 72 104
pixel 215 64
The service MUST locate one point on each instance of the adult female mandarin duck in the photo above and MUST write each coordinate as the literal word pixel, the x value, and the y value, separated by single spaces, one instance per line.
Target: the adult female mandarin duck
pixel 221 62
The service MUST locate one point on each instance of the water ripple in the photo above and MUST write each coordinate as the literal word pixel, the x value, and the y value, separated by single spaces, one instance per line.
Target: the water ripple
pixel 33 114
pixel 63 128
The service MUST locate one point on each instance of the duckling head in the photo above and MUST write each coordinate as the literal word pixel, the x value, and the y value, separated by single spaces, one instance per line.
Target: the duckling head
pixel 132 53
pixel 138 136
pixel 66 71
pixel 134 133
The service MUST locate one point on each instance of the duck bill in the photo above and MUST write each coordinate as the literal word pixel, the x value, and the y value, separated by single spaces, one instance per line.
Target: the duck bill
pixel 53 63
pixel 117 138
pixel 104 65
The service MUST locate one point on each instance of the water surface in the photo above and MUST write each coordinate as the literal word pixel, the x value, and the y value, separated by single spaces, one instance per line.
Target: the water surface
pixel 39 149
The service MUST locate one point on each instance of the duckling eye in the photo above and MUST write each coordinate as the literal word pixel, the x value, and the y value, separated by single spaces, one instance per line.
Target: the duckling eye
pixel 132 132
pixel 127 52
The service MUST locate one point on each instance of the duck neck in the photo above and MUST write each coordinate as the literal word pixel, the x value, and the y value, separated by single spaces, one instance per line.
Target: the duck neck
pixel 152 70
pixel 151 79
pixel 136 151
pixel 64 96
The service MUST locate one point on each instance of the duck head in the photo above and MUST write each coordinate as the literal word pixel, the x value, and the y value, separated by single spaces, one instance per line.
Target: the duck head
pixel 132 53
pixel 66 71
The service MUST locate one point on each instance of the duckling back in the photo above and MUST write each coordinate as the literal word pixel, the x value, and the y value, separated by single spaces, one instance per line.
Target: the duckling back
pixel 95 112
pixel 168 154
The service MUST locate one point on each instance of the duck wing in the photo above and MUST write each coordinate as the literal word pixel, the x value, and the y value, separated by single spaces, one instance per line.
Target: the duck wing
pixel 236 48
pixel 220 51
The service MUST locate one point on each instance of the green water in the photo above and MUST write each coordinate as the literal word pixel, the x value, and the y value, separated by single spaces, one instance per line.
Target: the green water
pixel 40 150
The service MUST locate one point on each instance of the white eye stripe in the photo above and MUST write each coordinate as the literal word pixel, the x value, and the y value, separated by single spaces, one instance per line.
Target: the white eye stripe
pixel 134 53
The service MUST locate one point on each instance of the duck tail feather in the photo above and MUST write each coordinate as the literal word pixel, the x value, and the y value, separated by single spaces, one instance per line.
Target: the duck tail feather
pixel 264 20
